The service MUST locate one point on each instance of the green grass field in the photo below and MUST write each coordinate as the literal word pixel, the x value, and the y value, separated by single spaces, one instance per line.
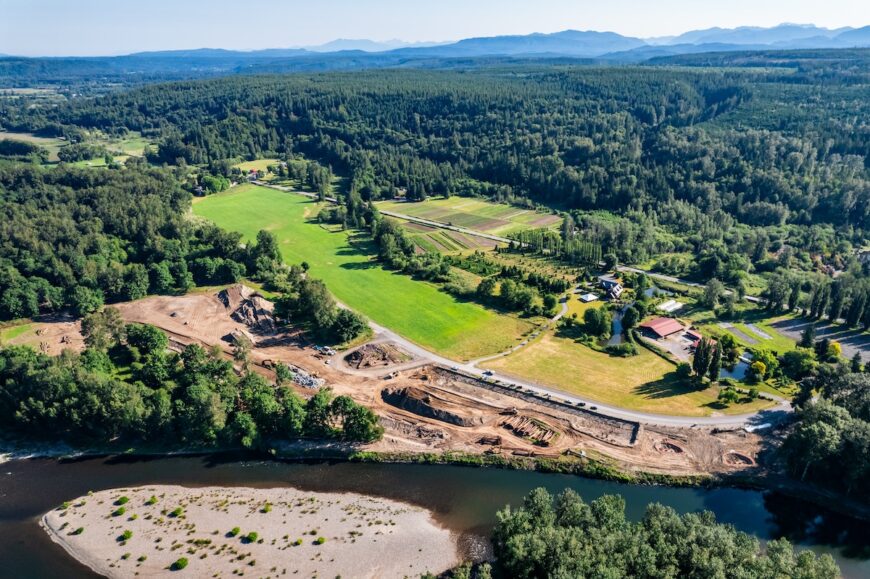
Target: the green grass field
pixel 256 165
pixel 644 382
pixel 417 310
pixel 476 214
pixel 12 332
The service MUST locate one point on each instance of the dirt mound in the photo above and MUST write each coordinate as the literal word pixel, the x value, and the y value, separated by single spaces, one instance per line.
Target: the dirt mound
pixel 249 308
pixel 531 429
pixel 424 404
pixel 668 447
pixel 377 356
pixel 737 459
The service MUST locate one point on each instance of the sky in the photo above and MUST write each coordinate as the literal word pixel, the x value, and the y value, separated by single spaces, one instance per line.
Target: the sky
pixel 101 27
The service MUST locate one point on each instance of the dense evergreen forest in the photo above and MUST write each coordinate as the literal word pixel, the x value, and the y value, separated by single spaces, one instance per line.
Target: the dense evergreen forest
pixel 722 161
pixel 79 238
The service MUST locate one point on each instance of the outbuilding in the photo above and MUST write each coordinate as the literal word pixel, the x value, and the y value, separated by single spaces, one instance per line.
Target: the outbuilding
pixel 662 327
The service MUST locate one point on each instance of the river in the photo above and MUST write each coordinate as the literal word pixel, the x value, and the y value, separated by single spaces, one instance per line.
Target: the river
pixel 464 499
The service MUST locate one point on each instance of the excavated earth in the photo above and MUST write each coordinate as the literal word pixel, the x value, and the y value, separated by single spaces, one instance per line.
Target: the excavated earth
pixel 428 408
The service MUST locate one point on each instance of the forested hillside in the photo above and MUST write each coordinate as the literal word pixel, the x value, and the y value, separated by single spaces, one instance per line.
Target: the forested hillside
pixel 79 237
pixel 618 139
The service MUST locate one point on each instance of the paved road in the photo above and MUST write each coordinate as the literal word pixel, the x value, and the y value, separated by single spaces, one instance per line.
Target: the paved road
pixel 769 416
pixel 471 368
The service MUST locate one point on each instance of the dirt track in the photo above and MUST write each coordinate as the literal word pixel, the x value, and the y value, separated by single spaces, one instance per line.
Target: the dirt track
pixel 485 418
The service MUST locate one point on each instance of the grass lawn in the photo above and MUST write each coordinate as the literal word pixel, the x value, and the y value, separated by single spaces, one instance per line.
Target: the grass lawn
pixel 477 214
pixel 644 382
pixel 417 310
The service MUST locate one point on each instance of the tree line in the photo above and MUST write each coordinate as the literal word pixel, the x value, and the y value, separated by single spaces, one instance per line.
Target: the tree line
pixel 564 536
pixel 127 387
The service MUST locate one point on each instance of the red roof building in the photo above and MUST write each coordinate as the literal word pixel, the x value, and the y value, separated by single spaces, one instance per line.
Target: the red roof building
pixel 663 327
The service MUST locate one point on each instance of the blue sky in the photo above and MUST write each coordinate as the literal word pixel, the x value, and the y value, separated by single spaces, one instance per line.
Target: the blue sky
pixel 90 27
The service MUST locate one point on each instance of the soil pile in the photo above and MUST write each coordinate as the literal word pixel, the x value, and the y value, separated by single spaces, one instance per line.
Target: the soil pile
pixel 531 429
pixel 249 308
pixel 377 356
pixel 424 404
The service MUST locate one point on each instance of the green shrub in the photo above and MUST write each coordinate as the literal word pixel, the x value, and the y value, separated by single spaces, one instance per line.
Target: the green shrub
pixel 180 564
pixel 176 512
pixel 251 537
pixel 319 541
pixel 235 531
pixel 122 501
pixel 119 511
pixel 78 531
pixel 266 508
pixel 151 501
pixel 125 536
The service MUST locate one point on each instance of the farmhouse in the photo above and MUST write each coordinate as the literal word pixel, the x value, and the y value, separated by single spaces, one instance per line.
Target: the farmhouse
pixel 611 285
pixel 662 327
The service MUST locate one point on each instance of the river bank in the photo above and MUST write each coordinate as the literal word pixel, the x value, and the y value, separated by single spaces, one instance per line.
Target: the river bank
pixel 597 467
pixel 463 500
pixel 221 531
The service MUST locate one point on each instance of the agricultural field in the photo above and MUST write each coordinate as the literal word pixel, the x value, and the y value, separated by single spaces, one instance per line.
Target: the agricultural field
pixel 256 165
pixel 51 144
pixel 122 148
pixel 644 382
pixel 436 240
pixel 417 310
pixel 476 214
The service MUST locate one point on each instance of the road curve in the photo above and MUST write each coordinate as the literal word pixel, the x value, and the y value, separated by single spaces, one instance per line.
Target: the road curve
pixel 769 416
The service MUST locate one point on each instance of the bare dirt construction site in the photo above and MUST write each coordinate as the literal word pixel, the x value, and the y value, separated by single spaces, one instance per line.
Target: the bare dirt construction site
pixel 423 407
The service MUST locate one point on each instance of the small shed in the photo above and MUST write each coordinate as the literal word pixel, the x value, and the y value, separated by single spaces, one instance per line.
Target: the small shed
pixel 586 298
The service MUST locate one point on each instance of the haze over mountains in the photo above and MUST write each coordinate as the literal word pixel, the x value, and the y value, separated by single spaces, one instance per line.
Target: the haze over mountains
pixel 344 54
pixel 585 44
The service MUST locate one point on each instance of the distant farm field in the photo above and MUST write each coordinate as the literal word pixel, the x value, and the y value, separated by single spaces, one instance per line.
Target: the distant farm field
pixel 417 310
pixel 256 165
pixel 476 214
pixel 435 239
pixel 644 382
pixel 51 144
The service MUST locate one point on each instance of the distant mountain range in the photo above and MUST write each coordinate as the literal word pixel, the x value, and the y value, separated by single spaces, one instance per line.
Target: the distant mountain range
pixel 576 43
pixel 345 54
pixel 365 45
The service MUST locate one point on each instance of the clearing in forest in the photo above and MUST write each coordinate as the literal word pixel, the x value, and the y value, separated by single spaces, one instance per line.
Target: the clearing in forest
pixel 644 382
pixel 417 310
pixel 256 165
pixel 472 213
